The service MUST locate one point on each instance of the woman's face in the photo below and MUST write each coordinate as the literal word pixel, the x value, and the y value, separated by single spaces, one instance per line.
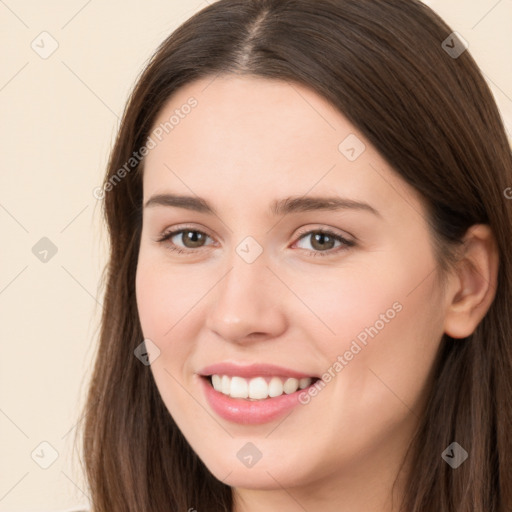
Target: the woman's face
pixel 263 299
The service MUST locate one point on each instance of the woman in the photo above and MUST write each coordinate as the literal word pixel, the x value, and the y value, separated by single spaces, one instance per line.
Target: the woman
pixel 237 370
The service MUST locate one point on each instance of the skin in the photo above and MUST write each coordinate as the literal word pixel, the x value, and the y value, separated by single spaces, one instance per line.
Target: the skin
pixel 248 142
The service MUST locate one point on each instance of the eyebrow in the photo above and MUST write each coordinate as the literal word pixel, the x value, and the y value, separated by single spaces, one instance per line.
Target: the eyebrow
pixel 278 207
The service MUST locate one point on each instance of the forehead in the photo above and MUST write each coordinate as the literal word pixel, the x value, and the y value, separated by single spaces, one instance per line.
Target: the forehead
pixel 251 116
pixel 262 138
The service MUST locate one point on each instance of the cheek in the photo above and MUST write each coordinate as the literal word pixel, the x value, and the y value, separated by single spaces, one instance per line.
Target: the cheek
pixel 151 302
pixel 385 320
pixel 165 295
pixel 362 303
pixel 164 303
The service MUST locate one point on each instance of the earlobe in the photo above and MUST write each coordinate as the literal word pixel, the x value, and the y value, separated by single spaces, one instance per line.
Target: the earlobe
pixel 474 284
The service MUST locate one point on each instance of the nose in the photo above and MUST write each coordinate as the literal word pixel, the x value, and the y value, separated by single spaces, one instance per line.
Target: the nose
pixel 248 304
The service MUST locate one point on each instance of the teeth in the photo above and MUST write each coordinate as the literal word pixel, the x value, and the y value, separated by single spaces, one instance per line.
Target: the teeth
pixel 304 383
pixel 257 388
pixel 216 382
pixel 275 387
pixel 225 385
pixel 239 388
pixel 290 386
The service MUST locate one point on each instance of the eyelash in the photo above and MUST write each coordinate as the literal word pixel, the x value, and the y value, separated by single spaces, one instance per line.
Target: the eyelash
pixel 166 236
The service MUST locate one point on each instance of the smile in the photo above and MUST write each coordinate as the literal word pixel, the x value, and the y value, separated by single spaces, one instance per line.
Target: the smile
pixel 255 394
pixel 257 388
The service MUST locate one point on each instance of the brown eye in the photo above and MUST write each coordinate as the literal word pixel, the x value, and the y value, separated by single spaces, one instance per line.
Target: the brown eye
pixel 323 242
pixel 185 239
pixel 192 239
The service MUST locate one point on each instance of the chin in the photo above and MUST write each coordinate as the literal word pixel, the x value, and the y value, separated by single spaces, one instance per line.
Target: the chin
pixel 266 474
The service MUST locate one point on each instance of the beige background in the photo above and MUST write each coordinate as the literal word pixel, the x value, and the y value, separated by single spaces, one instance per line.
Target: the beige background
pixel 59 117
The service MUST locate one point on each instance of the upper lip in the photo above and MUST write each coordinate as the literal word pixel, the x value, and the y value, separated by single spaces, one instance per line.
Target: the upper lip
pixel 251 370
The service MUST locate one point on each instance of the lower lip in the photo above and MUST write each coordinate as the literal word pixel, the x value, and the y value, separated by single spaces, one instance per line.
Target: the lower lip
pixel 249 412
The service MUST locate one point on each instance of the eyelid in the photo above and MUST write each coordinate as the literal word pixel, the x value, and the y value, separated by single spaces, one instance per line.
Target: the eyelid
pixel 301 231
pixel 333 231
pixel 346 242
pixel 170 232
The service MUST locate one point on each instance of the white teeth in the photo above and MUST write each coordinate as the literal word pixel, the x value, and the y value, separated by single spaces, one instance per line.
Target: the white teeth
pixel 239 388
pixel 257 388
pixel 290 386
pixel 275 387
pixel 226 385
pixel 216 382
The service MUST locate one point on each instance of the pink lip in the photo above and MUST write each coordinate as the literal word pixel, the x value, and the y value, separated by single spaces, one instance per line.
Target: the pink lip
pixel 252 370
pixel 248 412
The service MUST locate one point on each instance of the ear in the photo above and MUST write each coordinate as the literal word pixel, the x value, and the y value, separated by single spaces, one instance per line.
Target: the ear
pixel 474 285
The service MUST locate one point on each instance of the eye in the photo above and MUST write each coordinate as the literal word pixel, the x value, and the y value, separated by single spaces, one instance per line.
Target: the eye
pixel 191 238
pixel 322 241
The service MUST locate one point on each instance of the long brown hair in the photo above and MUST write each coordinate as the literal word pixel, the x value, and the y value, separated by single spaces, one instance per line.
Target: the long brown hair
pixel 430 114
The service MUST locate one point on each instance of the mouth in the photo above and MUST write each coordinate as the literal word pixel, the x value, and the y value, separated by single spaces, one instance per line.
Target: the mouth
pixel 253 394
pixel 257 388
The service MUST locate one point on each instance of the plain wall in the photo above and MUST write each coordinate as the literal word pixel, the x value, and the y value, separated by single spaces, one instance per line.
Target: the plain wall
pixel 59 118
